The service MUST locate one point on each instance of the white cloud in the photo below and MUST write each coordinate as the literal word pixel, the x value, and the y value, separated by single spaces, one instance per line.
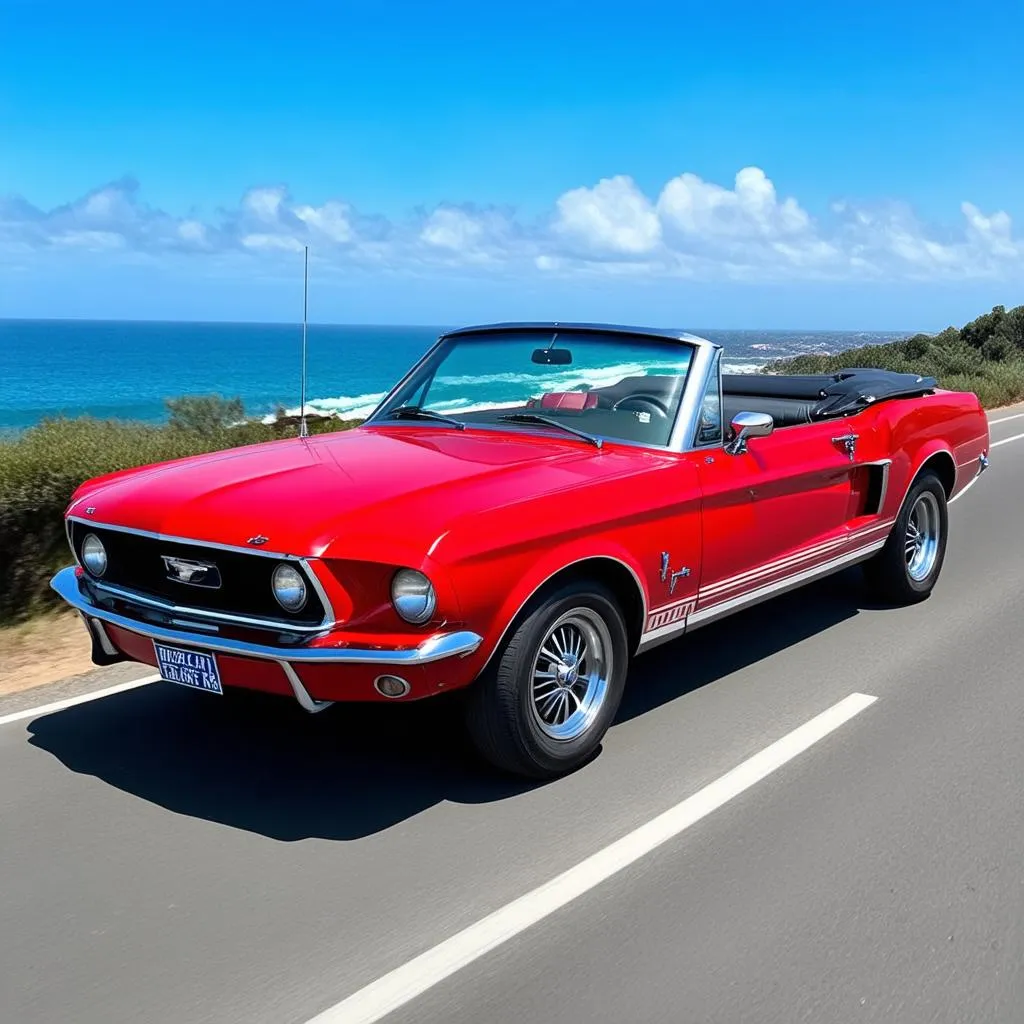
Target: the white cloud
pixel 890 239
pixel 264 203
pixel 614 216
pixel 331 220
pixel 990 233
pixel 692 228
pixel 95 240
pixel 193 231
pixel 281 242
pixel 452 228
pixel 701 209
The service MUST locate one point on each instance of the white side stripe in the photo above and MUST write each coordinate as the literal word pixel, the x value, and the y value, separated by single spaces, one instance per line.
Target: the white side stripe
pixel 768 568
pixel 721 607
pixel 806 575
pixel 799 556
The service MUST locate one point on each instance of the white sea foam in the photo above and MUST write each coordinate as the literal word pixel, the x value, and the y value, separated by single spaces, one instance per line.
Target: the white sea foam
pixel 731 367
pixel 577 378
pixel 347 407
pixel 565 380
pixel 326 407
pixel 465 405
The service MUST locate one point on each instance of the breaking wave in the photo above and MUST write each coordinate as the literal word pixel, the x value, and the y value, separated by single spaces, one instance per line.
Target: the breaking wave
pixel 347 407
pixel 594 377
pixel 728 366
pixel 454 393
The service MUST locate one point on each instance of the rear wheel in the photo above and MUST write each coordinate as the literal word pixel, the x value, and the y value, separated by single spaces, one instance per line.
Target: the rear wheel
pixel 906 569
pixel 553 687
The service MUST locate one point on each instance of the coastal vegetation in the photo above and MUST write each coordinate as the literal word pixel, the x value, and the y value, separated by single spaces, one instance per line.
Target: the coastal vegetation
pixel 41 467
pixel 985 356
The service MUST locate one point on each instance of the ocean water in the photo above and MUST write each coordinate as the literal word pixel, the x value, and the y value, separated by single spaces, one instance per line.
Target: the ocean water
pixel 126 369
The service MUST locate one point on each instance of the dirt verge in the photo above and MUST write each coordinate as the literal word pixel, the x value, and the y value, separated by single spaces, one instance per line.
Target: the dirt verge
pixel 43 650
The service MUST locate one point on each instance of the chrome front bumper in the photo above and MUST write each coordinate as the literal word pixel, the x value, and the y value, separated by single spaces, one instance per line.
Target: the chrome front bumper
pixel 433 648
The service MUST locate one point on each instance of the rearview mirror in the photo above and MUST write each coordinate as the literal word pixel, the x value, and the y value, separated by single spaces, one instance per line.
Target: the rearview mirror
pixel 746 425
pixel 552 356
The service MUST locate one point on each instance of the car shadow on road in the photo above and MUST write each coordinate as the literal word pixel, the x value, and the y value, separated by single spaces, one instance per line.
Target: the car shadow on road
pixel 260 764
pixel 742 640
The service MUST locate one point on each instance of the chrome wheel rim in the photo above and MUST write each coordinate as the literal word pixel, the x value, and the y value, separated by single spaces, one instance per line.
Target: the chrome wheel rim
pixel 921 546
pixel 569 680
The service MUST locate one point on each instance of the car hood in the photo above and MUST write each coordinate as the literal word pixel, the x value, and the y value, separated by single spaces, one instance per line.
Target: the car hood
pixel 304 495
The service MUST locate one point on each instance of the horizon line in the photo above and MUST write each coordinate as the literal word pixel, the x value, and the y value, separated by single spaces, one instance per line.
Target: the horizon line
pixel 432 327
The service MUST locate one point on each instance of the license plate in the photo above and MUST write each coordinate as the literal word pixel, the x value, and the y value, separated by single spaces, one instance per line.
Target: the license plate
pixel 197 669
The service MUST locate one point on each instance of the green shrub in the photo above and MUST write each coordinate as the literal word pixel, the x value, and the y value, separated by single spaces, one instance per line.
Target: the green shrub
pixel 204 414
pixel 985 356
pixel 40 469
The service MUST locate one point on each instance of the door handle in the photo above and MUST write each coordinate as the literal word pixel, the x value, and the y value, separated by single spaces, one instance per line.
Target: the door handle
pixel 849 442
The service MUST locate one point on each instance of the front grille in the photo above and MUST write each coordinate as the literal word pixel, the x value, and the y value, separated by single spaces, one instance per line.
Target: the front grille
pixel 135 562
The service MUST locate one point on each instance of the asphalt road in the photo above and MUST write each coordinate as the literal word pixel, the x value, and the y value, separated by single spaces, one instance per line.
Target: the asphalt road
pixel 168 857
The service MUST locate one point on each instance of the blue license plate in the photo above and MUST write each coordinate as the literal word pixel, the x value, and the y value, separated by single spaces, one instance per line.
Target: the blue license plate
pixel 197 669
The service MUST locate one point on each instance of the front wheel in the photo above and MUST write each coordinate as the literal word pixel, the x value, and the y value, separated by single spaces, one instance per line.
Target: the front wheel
pixel 907 568
pixel 553 687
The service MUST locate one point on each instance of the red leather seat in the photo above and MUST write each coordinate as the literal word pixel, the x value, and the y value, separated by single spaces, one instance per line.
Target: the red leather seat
pixel 569 400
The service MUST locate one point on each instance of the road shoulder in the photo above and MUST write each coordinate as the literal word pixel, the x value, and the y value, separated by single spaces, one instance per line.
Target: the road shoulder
pixel 73 686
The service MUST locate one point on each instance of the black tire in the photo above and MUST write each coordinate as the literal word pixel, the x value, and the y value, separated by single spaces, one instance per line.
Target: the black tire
pixel 503 711
pixel 890 575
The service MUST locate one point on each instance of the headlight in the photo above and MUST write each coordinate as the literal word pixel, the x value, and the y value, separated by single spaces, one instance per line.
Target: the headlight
pixel 94 555
pixel 413 596
pixel 289 588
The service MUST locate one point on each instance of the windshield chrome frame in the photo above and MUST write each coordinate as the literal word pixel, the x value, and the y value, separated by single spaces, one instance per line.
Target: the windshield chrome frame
pixel 684 427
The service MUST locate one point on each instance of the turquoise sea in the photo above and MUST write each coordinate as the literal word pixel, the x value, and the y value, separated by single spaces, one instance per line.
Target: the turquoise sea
pixel 126 369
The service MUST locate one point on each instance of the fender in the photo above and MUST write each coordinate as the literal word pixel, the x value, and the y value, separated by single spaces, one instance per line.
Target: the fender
pixel 911 465
pixel 549 565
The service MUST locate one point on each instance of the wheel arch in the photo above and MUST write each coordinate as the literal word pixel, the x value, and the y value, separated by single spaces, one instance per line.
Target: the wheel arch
pixel 621 578
pixel 936 458
pixel 942 463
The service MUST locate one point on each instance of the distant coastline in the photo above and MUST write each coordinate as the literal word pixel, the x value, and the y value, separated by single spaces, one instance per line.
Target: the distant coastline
pixel 124 369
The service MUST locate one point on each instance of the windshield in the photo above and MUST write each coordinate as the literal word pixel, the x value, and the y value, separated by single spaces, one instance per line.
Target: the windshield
pixel 604 385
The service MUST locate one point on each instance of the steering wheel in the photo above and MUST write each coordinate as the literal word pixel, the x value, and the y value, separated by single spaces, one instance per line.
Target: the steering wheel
pixel 642 403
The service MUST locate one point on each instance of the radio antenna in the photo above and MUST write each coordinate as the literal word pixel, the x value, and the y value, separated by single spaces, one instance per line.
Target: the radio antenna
pixel 303 430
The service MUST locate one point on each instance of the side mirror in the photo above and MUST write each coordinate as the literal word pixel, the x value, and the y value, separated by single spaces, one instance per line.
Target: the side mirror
pixel 746 425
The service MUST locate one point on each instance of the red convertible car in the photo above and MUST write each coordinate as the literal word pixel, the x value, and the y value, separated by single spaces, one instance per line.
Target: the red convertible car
pixel 531 506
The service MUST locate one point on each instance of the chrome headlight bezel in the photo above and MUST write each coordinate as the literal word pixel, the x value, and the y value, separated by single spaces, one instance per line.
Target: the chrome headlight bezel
pixel 285 579
pixel 413 596
pixel 94 555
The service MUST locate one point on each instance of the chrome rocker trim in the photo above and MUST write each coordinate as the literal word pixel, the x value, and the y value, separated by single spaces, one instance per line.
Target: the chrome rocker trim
pixel 433 648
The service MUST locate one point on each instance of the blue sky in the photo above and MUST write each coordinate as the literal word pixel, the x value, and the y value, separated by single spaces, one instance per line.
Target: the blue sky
pixel 742 165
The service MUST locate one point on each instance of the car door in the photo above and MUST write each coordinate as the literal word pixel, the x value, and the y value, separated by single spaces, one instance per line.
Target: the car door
pixel 729 540
pixel 802 488
pixel 775 509
pixel 796 489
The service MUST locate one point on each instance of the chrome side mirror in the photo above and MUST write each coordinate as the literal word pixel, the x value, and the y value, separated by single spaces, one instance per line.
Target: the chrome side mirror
pixel 746 425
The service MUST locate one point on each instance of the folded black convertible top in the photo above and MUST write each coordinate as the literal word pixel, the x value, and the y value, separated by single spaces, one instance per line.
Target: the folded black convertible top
pixel 834 394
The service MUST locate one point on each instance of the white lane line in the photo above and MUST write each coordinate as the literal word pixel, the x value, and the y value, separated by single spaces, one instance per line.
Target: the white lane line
pixel 956 497
pixel 1006 440
pixel 1006 419
pixel 82 698
pixel 405 983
